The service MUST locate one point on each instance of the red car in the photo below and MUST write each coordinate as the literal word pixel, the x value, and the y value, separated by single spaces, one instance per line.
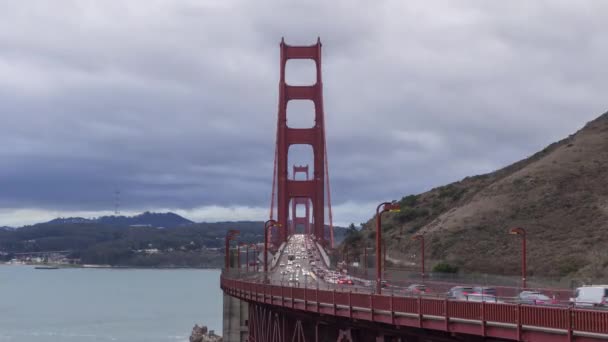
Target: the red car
pixel 416 289
pixel 345 281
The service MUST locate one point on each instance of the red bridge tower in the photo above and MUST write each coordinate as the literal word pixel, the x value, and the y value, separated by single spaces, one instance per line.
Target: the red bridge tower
pixel 310 189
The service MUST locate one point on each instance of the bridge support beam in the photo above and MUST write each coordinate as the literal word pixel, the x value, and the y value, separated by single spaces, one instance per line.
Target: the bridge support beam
pixel 272 324
pixel 235 324
pixel 304 201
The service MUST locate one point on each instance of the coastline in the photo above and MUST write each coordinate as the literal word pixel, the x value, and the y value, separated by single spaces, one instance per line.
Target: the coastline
pixel 93 266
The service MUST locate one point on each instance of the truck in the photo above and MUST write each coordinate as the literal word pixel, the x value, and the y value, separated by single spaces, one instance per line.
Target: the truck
pixel 591 296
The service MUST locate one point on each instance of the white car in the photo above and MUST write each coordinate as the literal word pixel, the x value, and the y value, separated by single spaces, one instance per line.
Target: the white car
pixel 594 295
pixel 477 297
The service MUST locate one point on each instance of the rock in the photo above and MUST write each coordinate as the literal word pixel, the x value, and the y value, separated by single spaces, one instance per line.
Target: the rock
pixel 202 334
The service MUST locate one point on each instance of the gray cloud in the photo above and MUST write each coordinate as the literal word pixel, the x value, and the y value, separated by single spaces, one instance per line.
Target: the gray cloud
pixel 174 102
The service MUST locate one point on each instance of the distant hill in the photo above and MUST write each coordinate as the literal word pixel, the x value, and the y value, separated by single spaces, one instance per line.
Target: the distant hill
pixel 156 220
pixel 133 241
pixel 559 195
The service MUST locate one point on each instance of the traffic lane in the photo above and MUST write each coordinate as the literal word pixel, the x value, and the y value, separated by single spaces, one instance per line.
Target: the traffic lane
pixel 297 246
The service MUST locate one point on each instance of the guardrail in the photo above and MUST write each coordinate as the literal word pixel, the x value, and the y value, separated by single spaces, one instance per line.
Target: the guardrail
pixel 508 321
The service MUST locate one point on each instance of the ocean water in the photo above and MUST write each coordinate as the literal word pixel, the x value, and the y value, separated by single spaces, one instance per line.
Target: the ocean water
pixel 84 305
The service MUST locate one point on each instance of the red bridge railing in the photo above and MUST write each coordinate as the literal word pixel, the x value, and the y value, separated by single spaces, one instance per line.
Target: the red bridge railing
pixel 508 321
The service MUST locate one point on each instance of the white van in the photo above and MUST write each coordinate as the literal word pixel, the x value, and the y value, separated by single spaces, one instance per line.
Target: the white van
pixel 592 295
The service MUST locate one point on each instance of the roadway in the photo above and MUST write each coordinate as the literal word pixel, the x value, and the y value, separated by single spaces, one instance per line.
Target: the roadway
pixel 298 271
pixel 307 269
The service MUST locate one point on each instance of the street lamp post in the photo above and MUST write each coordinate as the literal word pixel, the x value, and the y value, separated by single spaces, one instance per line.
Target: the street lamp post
pixel 384 259
pixel 238 253
pixel 386 206
pixel 230 235
pixel 365 260
pixel 255 255
pixel 247 258
pixel 521 232
pixel 420 237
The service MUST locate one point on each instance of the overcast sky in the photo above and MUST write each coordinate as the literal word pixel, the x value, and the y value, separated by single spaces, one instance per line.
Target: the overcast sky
pixel 174 102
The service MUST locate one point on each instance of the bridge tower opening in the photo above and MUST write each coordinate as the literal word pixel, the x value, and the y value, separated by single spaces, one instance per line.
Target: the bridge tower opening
pixel 312 189
pixel 303 221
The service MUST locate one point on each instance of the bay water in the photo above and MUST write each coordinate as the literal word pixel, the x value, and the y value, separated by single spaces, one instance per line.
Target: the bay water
pixel 123 305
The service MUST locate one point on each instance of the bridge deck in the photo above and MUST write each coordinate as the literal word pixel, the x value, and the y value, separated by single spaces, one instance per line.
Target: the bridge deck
pixel 499 320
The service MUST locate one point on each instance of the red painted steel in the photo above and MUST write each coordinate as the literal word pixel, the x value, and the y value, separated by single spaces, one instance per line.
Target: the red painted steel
pixel 497 320
pixel 331 216
pixel 386 206
pixel 315 137
pixel 504 313
pixel 522 233
pixel 230 235
pixel 464 311
pixel 589 320
pixel 274 175
pixel 295 219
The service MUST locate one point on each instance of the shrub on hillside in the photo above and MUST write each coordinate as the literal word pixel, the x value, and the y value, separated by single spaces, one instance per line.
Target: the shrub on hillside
pixel 409 201
pixel 409 214
pixel 444 267
pixel 451 191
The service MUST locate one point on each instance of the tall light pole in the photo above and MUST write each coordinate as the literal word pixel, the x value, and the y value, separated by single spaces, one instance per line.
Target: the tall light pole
pixel 255 255
pixel 246 245
pixel 386 206
pixel 238 253
pixel 420 237
pixel 521 232
pixel 230 235
pixel 383 259
pixel 365 259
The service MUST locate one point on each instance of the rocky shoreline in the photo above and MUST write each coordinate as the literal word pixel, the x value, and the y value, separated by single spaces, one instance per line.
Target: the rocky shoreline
pixel 202 334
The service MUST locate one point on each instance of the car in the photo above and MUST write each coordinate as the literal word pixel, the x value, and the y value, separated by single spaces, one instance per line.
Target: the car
pixel 535 298
pixel 344 281
pixel 459 292
pixel 485 290
pixel 281 265
pixel 591 296
pixel 384 283
pixel 477 297
pixel 416 289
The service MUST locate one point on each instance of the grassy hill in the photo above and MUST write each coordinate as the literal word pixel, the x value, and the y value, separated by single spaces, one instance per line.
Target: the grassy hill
pixel 559 195
pixel 115 240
